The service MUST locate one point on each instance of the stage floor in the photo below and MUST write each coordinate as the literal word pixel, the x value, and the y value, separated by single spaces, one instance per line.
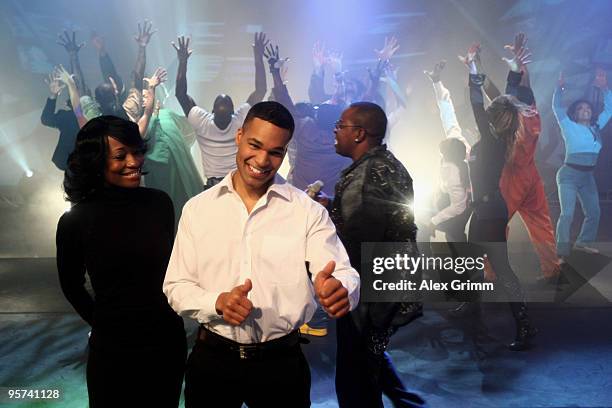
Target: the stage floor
pixel 451 363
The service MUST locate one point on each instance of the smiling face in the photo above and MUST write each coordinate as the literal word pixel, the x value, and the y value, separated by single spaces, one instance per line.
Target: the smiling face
pixel 261 149
pixel 123 164
pixel 583 113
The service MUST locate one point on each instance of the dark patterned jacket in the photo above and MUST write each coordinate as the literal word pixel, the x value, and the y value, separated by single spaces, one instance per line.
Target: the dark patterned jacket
pixel 373 203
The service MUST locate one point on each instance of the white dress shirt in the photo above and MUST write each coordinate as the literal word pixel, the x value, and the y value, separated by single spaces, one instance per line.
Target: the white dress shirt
pixel 217 146
pixel 219 245
pixel 450 182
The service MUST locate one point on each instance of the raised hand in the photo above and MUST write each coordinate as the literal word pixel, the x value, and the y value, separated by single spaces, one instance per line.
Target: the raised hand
pixel 182 50
pixel 334 60
pixel 318 55
pixel 235 305
pixel 61 74
pixel 159 76
pixel 330 292
pixel 274 60
pixel 601 79
pixel 55 85
pixel 69 42
pixel 437 70
pixel 390 47
pixel 521 55
pixel 98 42
pixel 260 43
pixel 520 42
pixel 144 33
pixel 472 55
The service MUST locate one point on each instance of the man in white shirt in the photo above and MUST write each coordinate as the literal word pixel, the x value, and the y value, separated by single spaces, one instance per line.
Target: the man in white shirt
pixel 215 131
pixel 240 266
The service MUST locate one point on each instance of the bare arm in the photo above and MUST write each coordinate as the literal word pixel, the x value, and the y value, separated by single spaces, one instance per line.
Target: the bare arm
pixel 56 86
pixel 61 74
pixel 107 67
pixel 72 48
pixel 261 86
pixel 281 94
pixel 183 52
pixel 142 39
pixel 148 95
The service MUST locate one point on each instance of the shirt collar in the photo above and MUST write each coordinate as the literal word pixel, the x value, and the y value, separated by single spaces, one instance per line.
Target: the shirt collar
pixel 279 187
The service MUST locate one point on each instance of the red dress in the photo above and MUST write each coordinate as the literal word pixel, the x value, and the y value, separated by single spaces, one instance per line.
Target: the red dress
pixel 523 190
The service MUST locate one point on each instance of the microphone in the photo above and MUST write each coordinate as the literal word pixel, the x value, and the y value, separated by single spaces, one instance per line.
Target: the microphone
pixel 313 189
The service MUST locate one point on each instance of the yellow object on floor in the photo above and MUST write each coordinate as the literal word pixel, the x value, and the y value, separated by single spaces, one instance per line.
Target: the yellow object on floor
pixel 306 329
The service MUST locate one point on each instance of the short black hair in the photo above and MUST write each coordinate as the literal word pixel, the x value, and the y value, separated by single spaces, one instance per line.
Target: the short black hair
pixel 571 111
pixel 85 173
pixel 372 118
pixel 272 112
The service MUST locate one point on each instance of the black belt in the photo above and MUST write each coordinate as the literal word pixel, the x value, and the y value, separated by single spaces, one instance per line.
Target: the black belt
pixel 580 167
pixel 249 351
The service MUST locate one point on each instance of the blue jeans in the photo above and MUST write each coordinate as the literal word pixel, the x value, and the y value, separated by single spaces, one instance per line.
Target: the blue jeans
pixel 574 183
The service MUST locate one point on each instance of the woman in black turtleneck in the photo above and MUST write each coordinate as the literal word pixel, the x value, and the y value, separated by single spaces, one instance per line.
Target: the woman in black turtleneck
pixel 121 235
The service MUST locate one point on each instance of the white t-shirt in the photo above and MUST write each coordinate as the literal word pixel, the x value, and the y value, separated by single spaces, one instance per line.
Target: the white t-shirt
pixel 217 147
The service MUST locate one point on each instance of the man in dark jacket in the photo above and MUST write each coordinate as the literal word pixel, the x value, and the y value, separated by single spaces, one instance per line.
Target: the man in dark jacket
pixel 372 203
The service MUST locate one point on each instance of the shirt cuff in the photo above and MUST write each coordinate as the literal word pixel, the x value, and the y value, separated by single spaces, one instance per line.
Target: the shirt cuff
pixel 208 312
pixel 352 284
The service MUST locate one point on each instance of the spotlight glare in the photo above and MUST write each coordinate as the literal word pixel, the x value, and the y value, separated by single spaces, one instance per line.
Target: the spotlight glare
pixel 29 173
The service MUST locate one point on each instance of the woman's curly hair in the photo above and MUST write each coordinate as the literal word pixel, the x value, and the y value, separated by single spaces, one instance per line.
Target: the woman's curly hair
pixel 85 173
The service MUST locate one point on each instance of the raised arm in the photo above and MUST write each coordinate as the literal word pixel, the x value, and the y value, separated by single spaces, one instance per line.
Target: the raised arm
pixel 281 94
pixel 183 52
pixel 61 74
pixel 106 64
pixel 259 46
pixel 557 107
pixel 384 56
pixel 601 83
pixel 72 48
pixel 517 83
pixel 47 116
pixel 316 88
pixel 445 105
pixel 142 39
pixel 148 95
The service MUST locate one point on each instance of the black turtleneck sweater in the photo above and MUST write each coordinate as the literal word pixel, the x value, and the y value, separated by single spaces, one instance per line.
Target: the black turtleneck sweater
pixel 122 238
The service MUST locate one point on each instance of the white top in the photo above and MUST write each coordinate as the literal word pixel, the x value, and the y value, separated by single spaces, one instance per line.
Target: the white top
pixel 448 116
pixel 219 245
pixel 450 182
pixel 217 147
pixel 450 179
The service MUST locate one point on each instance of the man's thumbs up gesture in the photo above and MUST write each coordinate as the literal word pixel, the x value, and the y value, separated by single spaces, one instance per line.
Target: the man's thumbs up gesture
pixel 330 292
pixel 234 305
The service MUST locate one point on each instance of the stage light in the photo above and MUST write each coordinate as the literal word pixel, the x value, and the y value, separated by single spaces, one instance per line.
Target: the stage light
pixel 29 173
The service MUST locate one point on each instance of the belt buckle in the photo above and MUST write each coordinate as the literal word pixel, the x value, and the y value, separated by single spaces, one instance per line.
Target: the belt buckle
pixel 242 352
pixel 247 352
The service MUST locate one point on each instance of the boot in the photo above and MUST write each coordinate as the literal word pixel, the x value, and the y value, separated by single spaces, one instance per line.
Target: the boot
pixel 525 331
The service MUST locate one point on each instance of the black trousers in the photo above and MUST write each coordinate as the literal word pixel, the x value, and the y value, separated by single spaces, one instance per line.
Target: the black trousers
pixel 142 377
pixel 362 376
pixel 218 380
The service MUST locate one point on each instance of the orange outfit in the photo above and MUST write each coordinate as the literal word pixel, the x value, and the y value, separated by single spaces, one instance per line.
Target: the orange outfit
pixel 523 190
